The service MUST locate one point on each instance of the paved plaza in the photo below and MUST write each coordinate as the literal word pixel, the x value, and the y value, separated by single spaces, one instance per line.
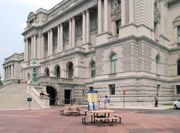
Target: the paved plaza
pixel 49 121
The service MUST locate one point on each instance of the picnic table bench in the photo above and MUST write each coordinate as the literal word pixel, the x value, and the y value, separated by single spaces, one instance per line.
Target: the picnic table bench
pixel 73 111
pixel 102 119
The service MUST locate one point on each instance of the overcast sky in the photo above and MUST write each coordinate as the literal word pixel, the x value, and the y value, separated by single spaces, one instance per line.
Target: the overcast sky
pixel 13 16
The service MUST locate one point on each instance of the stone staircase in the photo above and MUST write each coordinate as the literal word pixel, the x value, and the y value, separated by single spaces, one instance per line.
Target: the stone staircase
pixel 14 97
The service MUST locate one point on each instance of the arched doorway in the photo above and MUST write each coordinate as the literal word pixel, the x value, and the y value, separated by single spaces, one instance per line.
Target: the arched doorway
pixel 52 95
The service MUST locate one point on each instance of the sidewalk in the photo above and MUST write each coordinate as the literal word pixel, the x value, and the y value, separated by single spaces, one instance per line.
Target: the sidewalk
pixel 49 121
pixel 147 107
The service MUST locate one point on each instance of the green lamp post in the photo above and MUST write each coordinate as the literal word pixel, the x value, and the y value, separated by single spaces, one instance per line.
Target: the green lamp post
pixel 34 73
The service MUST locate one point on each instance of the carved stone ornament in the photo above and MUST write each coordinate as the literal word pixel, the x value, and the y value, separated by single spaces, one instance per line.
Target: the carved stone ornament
pixel 31 14
pixel 117 8
pixel 157 14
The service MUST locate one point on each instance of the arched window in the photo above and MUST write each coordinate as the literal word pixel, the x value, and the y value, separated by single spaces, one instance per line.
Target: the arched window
pixel 178 67
pixel 93 69
pixel 46 71
pixel 113 60
pixel 70 70
pixel 57 71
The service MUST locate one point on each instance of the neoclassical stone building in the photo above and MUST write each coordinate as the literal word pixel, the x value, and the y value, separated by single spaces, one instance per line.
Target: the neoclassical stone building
pixel 112 45
pixel 13 68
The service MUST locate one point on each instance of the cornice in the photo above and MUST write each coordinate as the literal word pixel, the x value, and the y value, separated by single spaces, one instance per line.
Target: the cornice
pixel 56 15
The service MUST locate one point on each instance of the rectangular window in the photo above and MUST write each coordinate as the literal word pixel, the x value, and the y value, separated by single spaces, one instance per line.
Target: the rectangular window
pixel 93 19
pixel 78 26
pixel 112 89
pixel 66 32
pixel 177 89
pixel 178 34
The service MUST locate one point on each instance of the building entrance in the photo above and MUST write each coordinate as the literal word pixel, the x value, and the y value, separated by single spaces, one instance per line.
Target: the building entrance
pixel 67 96
pixel 52 95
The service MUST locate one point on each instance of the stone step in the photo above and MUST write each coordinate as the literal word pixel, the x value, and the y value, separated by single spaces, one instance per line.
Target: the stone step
pixel 15 97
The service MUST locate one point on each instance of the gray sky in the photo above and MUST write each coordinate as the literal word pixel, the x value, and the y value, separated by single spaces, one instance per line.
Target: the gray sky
pixel 13 16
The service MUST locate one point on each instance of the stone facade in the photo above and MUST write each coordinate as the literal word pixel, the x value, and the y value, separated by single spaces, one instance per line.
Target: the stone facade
pixel 112 45
pixel 13 68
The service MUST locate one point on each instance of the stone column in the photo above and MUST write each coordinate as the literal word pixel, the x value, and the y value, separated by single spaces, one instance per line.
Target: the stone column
pixel 58 38
pixel 9 72
pixel 4 73
pixel 87 25
pixel 41 45
pixel 32 47
pixel 123 12
pixel 131 11
pixel 70 32
pixel 25 50
pixel 106 14
pixel 99 16
pixel 84 28
pixel 35 44
pixel 114 27
pixel 61 37
pixel 50 42
pixel 12 71
pixel 39 50
pixel 73 33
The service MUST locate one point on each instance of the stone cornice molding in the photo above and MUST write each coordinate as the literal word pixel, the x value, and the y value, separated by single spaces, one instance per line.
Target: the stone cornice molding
pixel 58 14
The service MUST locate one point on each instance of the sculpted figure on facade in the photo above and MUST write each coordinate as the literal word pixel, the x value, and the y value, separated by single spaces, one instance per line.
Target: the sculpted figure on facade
pixel 117 7
pixel 157 14
pixel 116 10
